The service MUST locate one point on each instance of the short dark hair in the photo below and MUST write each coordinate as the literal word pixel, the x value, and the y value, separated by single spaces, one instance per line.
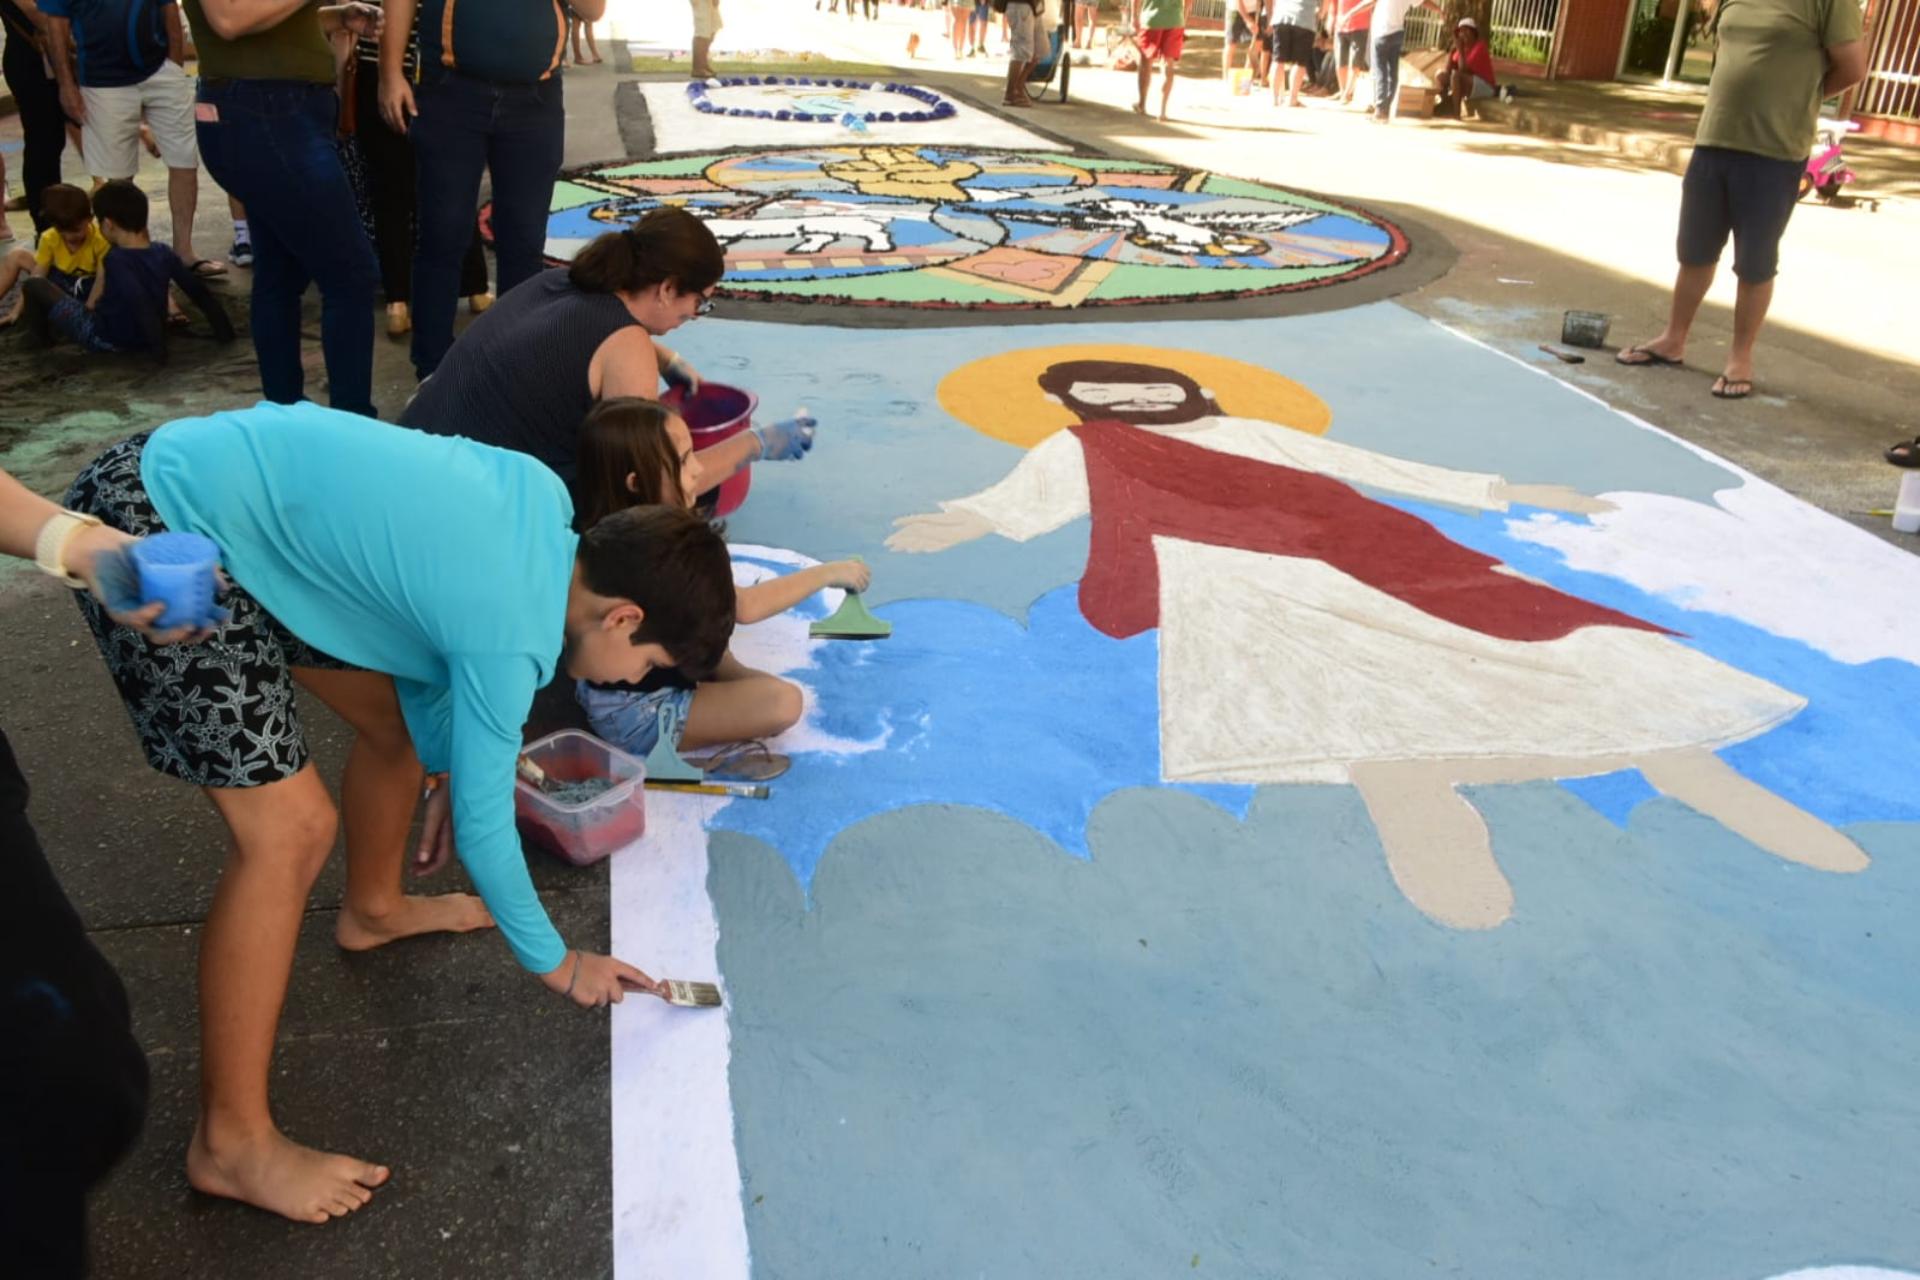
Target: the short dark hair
pixel 65 206
pixel 123 203
pixel 668 243
pixel 674 565
pixel 623 436
pixel 1058 379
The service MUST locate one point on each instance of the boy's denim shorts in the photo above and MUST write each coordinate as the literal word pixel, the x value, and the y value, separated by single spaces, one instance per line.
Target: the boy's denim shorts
pixel 629 720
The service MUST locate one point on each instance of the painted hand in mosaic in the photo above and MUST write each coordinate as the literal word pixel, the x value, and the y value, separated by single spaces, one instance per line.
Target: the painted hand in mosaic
pixel 1553 497
pixel 787 440
pixel 101 556
pixel 936 531
pixel 679 372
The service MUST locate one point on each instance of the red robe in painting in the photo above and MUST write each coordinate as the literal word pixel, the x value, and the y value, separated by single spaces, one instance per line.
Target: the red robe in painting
pixel 1142 484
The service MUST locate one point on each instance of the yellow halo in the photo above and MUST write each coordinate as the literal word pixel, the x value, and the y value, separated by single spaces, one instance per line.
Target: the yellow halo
pixel 1000 396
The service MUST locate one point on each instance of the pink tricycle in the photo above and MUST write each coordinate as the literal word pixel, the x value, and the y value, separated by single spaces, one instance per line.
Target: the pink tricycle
pixel 1827 170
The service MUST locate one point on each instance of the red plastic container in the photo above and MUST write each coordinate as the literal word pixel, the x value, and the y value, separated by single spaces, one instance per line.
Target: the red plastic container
pixel 582 833
pixel 717 413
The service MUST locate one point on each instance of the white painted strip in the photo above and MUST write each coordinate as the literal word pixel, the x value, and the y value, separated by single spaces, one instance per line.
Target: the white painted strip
pixel 676 1176
pixel 678 128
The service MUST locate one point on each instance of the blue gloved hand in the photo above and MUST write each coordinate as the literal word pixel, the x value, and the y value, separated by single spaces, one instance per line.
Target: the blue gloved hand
pixel 117 580
pixel 787 440
pixel 679 373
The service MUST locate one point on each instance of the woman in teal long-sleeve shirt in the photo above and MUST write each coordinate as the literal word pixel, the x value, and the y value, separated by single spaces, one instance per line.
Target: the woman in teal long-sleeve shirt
pixel 374 566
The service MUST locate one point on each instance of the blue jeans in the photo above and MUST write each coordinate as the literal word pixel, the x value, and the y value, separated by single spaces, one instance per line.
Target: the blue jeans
pixel 517 133
pixel 630 720
pixel 1386 71
pixel 271 147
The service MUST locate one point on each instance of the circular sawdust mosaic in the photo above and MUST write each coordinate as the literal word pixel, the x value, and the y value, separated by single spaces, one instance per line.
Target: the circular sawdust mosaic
pixel 804 100
pixel 959 227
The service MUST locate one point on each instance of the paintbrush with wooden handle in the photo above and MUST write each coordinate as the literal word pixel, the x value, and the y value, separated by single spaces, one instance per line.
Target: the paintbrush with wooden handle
pixel 688 995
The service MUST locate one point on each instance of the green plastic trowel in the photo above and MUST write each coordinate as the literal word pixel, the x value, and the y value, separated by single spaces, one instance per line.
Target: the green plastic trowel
pixel 663 762
pixel 851 621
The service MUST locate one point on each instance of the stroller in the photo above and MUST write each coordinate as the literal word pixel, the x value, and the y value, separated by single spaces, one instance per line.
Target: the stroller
pixel 1058 59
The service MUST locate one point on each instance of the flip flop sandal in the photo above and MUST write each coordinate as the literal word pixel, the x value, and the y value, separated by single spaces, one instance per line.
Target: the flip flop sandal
pixel 1649 358
pixel 749 761
pixel 1725 388
pixel 1905 454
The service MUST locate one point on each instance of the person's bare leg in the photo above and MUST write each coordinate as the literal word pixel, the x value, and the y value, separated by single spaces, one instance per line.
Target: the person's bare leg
pixel 1709 785
pixel 753 705
pixel 1436 844
pixel 593 47
pixel 378 792
pixel 702 68
pixel 16 264
pixel 1166 91
pixel 1146 82
pixel 1750 303
pixel 183 201
pixel 281 834
pixel 1690 287
pixel 6 231
pixel 1295 73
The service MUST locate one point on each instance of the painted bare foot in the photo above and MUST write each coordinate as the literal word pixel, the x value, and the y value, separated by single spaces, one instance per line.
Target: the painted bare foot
pixel 444 913
pixel 281 1176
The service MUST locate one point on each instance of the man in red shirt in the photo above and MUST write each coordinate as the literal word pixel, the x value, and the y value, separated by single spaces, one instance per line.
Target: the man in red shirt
pixel 1468 76
pixel 1352 18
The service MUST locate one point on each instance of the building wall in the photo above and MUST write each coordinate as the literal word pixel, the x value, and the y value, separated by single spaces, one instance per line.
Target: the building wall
pixel 1590 35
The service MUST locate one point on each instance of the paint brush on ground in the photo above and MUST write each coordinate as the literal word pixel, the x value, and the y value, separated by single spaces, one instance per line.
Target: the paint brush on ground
pixel 739 790
pixel 1565 357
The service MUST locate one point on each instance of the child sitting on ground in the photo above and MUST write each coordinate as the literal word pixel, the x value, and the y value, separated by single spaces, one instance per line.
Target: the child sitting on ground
pixel 639 452
pixel 126 309
pixel 67 256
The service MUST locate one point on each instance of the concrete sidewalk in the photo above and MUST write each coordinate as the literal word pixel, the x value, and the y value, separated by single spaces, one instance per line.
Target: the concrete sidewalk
pixel 1653 125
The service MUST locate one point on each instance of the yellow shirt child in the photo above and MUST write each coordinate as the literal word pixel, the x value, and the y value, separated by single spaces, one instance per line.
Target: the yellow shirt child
pixel 56 254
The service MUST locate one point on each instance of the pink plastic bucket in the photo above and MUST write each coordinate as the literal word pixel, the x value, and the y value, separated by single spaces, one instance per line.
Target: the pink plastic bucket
pixel 716 413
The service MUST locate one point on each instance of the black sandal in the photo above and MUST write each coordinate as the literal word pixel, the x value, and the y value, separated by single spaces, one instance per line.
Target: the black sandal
pixel 1648 358
pixel 1905 454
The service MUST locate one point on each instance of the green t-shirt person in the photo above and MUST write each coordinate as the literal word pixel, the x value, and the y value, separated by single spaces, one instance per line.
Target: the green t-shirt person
pixel 294 48
pixel 1764 97
pixel 1161 15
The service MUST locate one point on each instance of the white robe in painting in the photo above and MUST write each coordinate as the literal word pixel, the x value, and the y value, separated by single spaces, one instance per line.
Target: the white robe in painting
pixel 1280 668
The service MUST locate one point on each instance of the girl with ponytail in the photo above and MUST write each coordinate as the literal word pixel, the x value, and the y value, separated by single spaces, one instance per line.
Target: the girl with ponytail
pixel 636 452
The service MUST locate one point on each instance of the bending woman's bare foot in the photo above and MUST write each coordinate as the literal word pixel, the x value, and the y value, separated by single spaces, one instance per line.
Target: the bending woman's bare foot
pixel 277 1174
pixel 446 913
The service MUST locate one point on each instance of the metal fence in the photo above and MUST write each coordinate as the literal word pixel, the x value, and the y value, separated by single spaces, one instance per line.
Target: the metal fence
pixel 1892 86
pixel 1517 30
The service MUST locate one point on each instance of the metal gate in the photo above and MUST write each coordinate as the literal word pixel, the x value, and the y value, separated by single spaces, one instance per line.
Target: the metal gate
pixel 1892 86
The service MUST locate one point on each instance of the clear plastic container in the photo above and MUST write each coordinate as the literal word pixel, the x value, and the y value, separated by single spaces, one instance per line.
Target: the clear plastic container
pixel 582 833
